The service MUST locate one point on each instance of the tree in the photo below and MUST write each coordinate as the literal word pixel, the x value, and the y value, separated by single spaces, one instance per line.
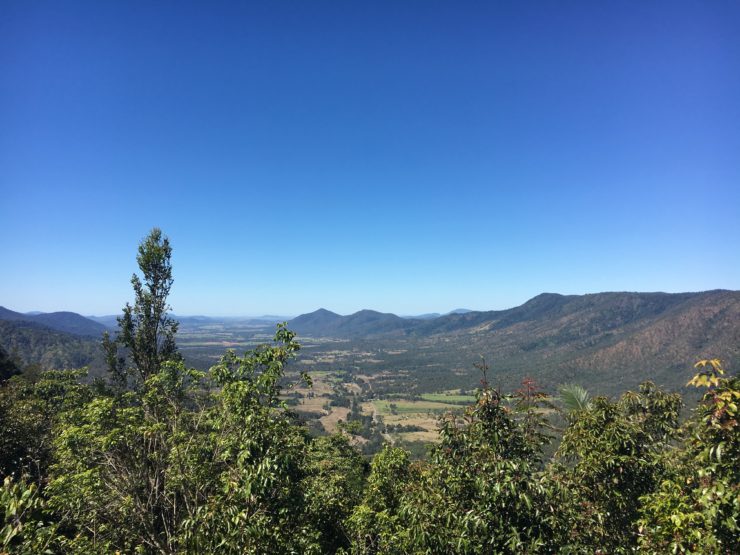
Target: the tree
pixel 696 509
pixel 376 525
pixel 333 484
pixel 188 461
pixel 195 462
pixel 610 456
pixel 481 492
pixel 24 525
pixel 29 409
pixel 146 333
pixel 8 366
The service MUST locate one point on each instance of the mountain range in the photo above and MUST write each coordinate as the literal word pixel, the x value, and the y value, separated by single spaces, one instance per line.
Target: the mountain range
pixel 604 338
pixel 68 322
pixel 591 314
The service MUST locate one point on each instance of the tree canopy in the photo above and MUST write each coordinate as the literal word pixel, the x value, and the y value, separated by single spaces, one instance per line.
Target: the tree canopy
pixel 146 336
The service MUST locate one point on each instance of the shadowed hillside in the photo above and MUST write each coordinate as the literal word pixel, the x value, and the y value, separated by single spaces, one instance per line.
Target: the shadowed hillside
pixel 68 322
pixel 32 343
pixel 606 341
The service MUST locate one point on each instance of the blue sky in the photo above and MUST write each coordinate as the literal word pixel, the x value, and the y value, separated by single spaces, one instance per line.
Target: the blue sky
pixel 404 156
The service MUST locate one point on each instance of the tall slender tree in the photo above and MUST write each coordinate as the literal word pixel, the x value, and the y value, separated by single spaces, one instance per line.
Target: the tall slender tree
pixel 146 336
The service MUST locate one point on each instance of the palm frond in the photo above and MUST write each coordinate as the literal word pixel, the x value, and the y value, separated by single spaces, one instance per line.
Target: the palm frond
pixel 574 397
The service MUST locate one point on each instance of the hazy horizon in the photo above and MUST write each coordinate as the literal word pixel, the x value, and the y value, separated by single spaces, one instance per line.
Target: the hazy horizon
pixel 290 315
pixel 402 157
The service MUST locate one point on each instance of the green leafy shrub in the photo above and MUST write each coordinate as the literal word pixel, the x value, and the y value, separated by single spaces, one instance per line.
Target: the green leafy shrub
pixel 696 509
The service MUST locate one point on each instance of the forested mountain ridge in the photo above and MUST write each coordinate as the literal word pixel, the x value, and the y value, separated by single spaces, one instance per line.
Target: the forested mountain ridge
pixel 68 322
pixel 601 310
pixel 30 343
pixel 602 340
pixel 605 341
pixel 610 339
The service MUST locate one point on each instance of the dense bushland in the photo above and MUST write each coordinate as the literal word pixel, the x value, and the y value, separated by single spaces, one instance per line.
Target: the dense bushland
pixel 161 458
pixel 202 462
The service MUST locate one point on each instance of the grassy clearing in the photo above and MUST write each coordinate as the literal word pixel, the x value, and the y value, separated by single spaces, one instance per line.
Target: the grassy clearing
pixel 425 420
pixel 352 387
pixel 330 420
pixel 408 407
pixel 311 404
pixel 322 385
pixel 448 398
pixel 424 437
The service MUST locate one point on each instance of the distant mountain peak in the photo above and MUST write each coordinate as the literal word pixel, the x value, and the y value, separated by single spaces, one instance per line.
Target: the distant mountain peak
pixel 324 311
pixel 545 298
pixel 323 322
pixel 369 312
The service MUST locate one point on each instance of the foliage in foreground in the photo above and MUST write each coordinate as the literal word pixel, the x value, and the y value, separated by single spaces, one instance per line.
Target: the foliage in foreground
pixel 195 462
pixel 696 508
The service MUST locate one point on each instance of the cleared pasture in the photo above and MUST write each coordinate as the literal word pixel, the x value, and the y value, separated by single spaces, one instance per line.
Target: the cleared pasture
pixel 449 398
pixel 331 420
pixel 407 406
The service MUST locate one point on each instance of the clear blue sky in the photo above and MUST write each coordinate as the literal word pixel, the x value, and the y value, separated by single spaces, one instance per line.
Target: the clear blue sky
pixel 406 156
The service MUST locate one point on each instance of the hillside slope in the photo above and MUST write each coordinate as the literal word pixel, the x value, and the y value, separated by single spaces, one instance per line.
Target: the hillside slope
pixel 68 322
pixel 605 341
pixel 32 343
pixel 612 339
